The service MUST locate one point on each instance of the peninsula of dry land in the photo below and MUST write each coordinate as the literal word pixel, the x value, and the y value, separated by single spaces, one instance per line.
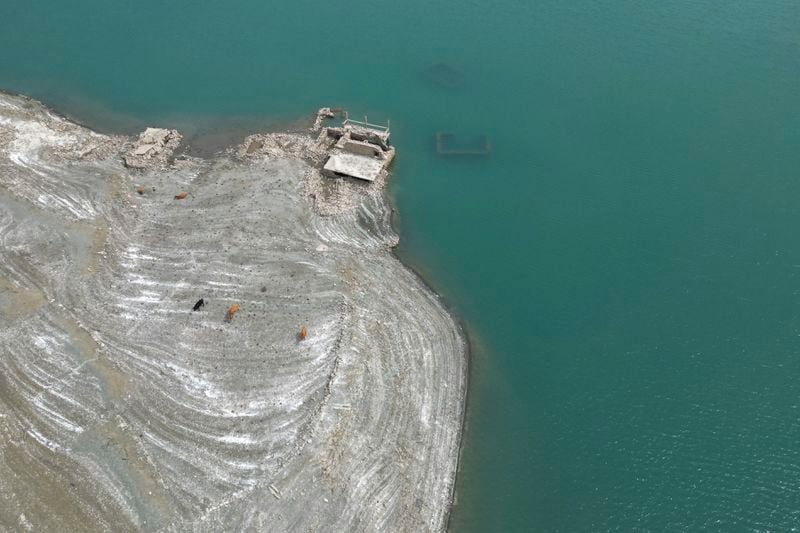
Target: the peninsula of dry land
pixel 330 400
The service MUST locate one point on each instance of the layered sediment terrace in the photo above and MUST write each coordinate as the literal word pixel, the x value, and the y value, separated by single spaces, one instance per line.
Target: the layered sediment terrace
pixel 121 408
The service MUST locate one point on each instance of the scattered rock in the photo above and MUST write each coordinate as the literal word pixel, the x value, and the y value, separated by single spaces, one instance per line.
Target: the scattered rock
pixel 322 114
pixel 254 147
pixel 282 146
pixel 333 196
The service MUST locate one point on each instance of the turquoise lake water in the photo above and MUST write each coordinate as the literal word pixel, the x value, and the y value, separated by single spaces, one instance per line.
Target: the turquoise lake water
pixel 627 260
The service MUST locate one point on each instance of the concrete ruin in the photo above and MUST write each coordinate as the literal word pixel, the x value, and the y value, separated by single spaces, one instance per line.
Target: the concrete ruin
pixel 153 148
pixel 361 150
pixel 448 144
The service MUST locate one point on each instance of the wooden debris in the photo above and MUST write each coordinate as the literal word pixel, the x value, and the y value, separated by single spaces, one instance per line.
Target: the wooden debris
pixel 274 490
pixel 181 196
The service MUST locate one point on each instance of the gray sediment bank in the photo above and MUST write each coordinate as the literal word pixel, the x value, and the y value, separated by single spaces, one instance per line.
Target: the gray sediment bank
pixel 121 408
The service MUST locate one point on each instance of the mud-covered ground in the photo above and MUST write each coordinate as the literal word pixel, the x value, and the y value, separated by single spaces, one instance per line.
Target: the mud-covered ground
pixel 121 408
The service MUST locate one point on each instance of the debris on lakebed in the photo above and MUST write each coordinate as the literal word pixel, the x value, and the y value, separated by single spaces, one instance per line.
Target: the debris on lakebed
pixel 153 148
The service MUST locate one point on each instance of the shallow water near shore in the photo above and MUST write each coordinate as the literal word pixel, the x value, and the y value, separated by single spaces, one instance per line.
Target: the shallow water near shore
pixel 626 258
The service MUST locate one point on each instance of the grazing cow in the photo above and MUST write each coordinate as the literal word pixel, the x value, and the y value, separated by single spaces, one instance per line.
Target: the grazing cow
pixel 200 303
pixel 303 333
pixel 181 196
pixel 232 310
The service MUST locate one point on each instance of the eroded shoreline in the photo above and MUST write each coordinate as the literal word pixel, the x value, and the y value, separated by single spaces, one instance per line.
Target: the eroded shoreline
pixel 160 418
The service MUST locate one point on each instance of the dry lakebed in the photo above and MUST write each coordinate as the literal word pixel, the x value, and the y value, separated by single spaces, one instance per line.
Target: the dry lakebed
pixel 332 400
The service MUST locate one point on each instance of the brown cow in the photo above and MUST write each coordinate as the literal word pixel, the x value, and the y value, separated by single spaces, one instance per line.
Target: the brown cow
pixel 181 196
pixel 231 311
pixel 303 333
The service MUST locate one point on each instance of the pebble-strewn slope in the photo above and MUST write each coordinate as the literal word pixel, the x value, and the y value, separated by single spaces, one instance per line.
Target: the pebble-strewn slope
pixel 121 409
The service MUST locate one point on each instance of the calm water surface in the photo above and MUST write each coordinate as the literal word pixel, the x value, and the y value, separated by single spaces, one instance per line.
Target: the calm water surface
pixel 627 260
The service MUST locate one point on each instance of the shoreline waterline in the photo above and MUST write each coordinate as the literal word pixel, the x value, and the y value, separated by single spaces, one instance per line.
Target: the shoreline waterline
pixel 467 377
pixel 464 331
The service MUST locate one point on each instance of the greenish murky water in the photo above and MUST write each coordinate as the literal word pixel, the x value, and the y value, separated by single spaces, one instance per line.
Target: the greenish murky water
pixel 627 259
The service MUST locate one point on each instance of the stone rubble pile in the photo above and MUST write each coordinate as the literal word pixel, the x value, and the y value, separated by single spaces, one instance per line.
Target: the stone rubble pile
pixel 153 148
pixel 322 114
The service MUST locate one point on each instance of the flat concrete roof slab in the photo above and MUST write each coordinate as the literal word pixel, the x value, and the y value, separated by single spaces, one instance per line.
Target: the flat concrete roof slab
pixel 357 166
pixel 143 149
